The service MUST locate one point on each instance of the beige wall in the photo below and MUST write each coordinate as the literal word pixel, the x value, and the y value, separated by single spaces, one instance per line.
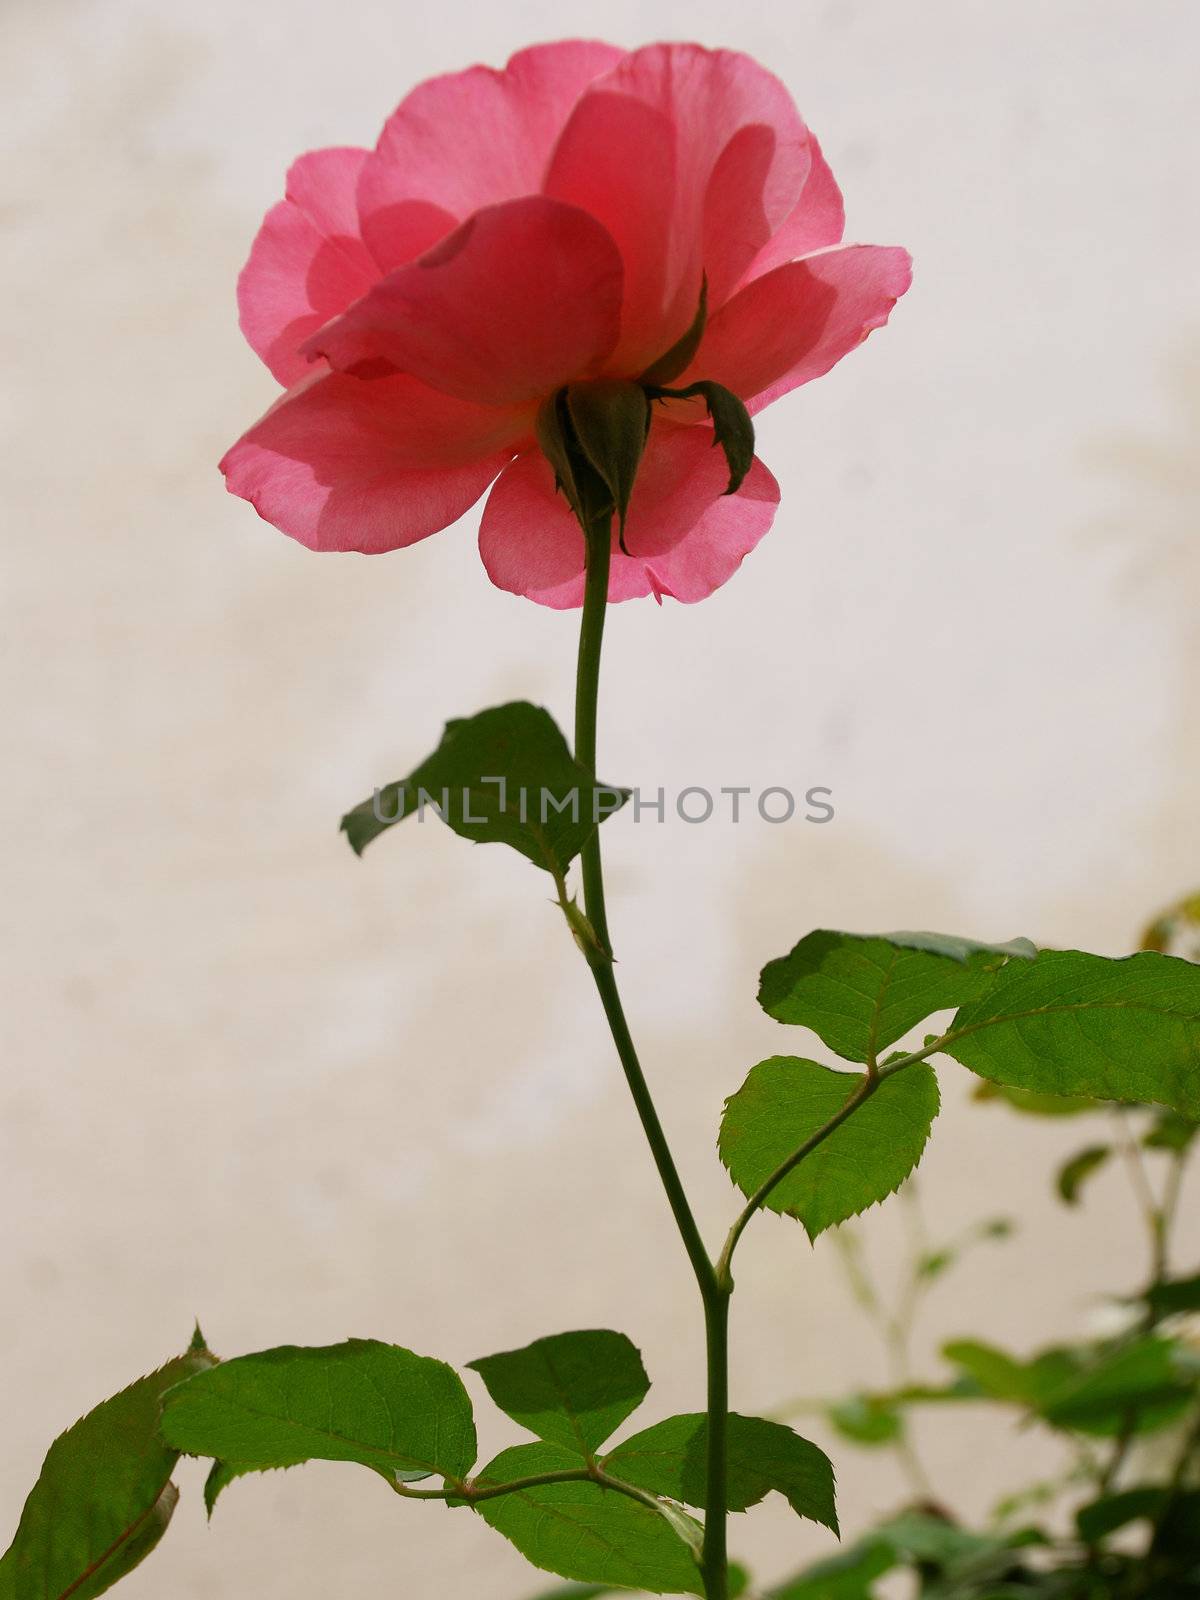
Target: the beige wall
pixel 250 1078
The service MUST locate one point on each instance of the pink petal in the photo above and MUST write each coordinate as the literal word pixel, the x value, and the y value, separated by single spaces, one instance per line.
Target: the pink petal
pixel 738 160
pixel 307 263
pixel 531 543
pixel 472 139
pixel 616 160
pixel 794 323
pixel 519 299
pixel 817 221
pixel 714 548
pixel 684 534
pixel 371 465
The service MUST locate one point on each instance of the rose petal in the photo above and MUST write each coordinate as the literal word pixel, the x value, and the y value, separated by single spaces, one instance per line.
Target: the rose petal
pixel 344 463
pixel 472 139
pixel 519 299
pixel 307 262
pixel 684 534
pixel 739 158
pixel 532 545
pixel 817 221
pixel 793 324
pixel 616 160
pixel 714 548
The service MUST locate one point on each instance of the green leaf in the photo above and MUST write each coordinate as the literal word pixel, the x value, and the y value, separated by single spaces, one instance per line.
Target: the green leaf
pixel 737 1577
pixel 1037 1105
pixel 849 1575
pixel 785 1100
pixel 504 776
pixel 103 1498
pixel 1175 1296
pixel 1171 1132
pixel 134 1550
pixel 611 418
pixel 1073 1174
pixel 1005 1377
pixel 376 1404
pixel 1141 1386
pixel 861 992
pixel 576 1591
pixel 571 1389
pixel 1070 1023
pixel 866 1420
pixel 582 1531
pixel 223 1473
pixel 220 1475
pixel 1111 1512
pixel 669 1459
pixel 679 357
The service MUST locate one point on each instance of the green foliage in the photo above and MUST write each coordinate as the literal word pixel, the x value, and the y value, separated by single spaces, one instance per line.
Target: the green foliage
pixel 849 1575
pixel 1171 1132
pixel 1135 1386
pixel 859 993
pixel 1076 1024
pixel 738 1579
pixel 1111 1512
pixel 1005 1377
pixel 669 1459
pixel 1174 1296
pixel 1054 1022
pixel 1138 1387
pixel 866 1419
pixel 1036 1105
pixel 571 1389
pixel 576 1591
pixel 376 1404
pixel 503 776
pixel 786 1100
pixel 582 1531
pixel 1074 1173
pixel 950 1561
pixel 103 1498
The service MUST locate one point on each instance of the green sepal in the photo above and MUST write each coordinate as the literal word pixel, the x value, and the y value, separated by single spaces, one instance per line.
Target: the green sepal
pixel 585 490
pixel 610 418
pixel 681 354
pixel 732 428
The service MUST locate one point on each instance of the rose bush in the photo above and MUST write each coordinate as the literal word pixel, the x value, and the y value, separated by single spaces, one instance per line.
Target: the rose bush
pixel 513 232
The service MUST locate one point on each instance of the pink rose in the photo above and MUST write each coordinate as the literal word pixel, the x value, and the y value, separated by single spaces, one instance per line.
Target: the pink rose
pixel 513 232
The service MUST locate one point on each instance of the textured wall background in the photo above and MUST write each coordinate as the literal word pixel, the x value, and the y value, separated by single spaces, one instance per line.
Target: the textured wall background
pixel 245 1076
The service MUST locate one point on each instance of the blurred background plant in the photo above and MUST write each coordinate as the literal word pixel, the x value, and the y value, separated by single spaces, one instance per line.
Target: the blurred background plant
pixel 1120 1520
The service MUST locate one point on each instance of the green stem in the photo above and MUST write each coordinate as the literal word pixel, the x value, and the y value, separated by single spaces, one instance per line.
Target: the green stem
pixel 475 1493
pixel 587 683
pixel 714 1566
pixel 600 961
pixel 587 694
